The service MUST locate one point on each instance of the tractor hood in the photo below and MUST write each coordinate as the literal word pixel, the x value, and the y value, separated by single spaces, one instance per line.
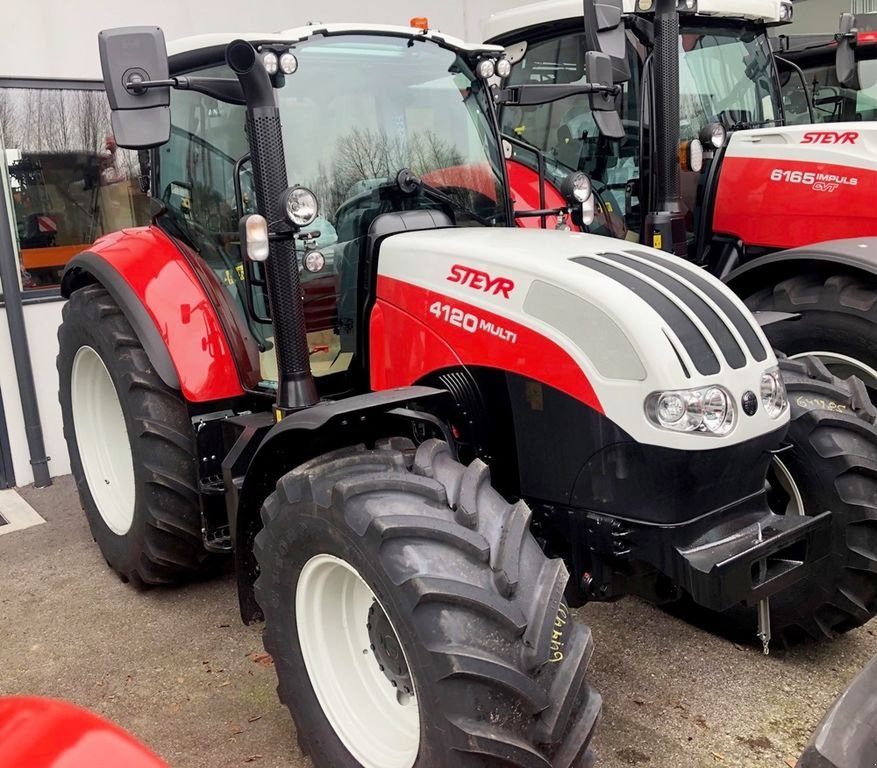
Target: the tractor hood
pixel 608 322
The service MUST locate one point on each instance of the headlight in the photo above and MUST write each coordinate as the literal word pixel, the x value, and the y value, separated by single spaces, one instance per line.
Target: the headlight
pixel 288 63
pixel 300 206
pixel 486 69
pixel 576 187
pixel 503 67
pixel 712 136
pixel 314 261
pixel 269 59
pixel 709 410
pixel 773 393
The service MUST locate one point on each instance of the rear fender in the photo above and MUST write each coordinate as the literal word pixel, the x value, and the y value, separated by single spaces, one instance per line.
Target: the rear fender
pixel 179 311
pixel 858 255
pixel 259 453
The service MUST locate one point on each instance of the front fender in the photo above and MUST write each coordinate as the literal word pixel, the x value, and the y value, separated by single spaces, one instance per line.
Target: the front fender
pixel 854 254
pixel 262 453
pixel 179 311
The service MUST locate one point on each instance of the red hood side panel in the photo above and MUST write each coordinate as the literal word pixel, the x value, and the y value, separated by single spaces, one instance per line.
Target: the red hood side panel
pixel 793 186
pixel 416 331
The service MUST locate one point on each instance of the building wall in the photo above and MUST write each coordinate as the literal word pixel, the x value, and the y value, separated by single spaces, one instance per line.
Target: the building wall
pixel 42 327
pixel 815 16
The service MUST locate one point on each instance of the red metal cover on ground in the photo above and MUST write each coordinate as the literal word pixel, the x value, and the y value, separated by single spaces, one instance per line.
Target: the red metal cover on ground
pixel 45 733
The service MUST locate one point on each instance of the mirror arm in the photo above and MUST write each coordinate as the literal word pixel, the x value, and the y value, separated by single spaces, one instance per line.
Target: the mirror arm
pixel 221 88
pixel 534 94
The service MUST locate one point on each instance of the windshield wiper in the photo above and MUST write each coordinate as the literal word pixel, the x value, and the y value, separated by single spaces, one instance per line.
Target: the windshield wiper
pixel 409 182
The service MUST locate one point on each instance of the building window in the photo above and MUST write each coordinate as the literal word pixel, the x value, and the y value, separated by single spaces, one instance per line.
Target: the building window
pixel 68 181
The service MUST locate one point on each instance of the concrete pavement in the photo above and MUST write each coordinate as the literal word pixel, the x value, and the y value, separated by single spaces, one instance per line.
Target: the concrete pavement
pixel 179 670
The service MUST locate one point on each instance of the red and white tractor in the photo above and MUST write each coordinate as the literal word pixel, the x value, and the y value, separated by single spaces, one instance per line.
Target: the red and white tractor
pixel 420 431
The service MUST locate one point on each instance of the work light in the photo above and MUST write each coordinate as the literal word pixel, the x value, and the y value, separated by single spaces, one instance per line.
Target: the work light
pixel 300 205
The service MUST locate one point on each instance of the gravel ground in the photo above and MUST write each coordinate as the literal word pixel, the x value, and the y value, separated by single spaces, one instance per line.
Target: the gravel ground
pixel 179 670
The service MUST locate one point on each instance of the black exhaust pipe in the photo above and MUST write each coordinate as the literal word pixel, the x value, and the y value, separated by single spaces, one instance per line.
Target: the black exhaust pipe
pixel 296 388
pixel 665 223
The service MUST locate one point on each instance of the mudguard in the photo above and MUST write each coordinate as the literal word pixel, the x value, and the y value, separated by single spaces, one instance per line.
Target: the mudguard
pixel 43 733
pixel 817 181
pixel 177 307
pixel 847 735
pixel 855 254
pixel 262 451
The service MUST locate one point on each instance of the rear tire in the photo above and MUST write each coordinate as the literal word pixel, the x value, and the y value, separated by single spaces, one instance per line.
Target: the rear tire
pixel 496 663
pixel 131 446
pixel 838 318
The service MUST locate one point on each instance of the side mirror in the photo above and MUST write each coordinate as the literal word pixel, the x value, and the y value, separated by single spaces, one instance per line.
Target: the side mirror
pixel 846 55
pixel 604 33
pixel 129 56
pixel 599 70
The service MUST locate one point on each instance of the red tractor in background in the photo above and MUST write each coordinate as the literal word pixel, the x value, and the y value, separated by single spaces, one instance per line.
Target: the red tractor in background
pixel 699 160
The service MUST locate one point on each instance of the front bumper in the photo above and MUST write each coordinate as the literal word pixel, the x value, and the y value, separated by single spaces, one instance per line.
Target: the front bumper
pixel 739 554
pixel 754 561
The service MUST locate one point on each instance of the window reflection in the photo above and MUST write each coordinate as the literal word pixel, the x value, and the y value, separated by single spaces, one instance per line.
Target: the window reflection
pixel 69 181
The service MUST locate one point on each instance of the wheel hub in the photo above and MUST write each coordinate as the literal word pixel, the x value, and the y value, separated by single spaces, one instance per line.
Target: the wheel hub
pixel 387 651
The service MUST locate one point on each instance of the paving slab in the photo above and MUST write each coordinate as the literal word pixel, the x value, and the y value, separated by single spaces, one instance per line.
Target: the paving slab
pixel 178 669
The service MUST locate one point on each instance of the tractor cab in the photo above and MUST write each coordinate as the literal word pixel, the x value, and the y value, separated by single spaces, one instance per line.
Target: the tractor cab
pixel 838 73
pixel 356 109
pixel 726 83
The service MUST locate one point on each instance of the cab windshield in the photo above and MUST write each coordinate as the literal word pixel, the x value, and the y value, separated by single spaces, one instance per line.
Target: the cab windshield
pixel 726 75
pixel 359 109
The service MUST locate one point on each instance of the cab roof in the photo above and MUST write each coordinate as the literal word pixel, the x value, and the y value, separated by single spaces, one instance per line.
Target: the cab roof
pixel 186 47
pixel 511 25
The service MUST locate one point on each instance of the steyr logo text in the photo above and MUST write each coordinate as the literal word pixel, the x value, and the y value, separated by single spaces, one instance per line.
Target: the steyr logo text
pixel 481 281
pixel 830 137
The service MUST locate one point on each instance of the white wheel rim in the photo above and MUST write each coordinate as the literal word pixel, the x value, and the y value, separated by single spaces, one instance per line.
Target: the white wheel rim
pixel 795 504
pixel 102 440
pixel 332 602
pixel 843 365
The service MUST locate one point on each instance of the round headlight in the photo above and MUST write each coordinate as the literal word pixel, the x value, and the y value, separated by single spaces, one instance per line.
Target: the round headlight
pixel 288 63
pixel 670 409
pixel 269 59
pixel 486 69
pixel 713 135
pixel 576 187
pixel 503 67
pixel 314 261
pixel 717 411
pixel 773 393
pixel 300 206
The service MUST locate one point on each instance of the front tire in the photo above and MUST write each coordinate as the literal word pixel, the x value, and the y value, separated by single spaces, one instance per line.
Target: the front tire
pixel 131 446
pixel 445 640
pixel 832 465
